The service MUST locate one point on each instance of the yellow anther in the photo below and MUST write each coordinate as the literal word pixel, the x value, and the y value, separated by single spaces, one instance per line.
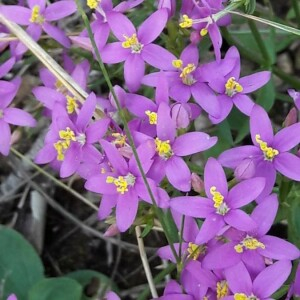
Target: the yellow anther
pixel 203 31
pixel 232 87
pixel 120 139
pixel 152 117
pixel 186 22
pixel 222 289
pixel 71 104
pixel 92 4
pixel 35 15
pixel 217 197
pixel 194 251
pixel 269 152
pixel 249 243
pixel 187 70
pixel 177 63
pixel 67 134
pixel 122 182
pixel 133 43
pixel 240 296
pixel 163 148
pixel 59 147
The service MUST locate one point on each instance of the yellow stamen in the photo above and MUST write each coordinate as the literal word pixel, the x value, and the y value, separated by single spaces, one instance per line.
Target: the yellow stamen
pixel 163 148
pixel 222 289
pixel 133 43
pixel 177 63
pixel 35 15
pixel 203 31
pixel 120 139
pixel 187 70
pixel 92 4
pixel 67 134
pixel 194 251
pixel 269 152
pixel 186 22
pixel 217 197
pixel 122 182
pixel 71 104
pixel 240 296
pixel 249 243
pixel 152 117
pixel 62 145
pixel 232 87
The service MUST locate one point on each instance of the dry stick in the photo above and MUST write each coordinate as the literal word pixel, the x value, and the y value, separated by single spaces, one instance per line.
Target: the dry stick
pixel 145 261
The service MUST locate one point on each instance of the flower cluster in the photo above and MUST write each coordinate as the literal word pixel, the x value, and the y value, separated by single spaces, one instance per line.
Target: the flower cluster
pixel 225 250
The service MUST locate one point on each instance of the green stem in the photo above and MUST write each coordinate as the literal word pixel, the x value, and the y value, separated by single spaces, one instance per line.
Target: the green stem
pixel 261 44
pixel 296 8
pixel 158 278
pixel 126 128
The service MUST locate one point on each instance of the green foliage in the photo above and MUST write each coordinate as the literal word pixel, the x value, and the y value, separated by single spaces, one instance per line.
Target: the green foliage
pixel 56 288
pixel 20 266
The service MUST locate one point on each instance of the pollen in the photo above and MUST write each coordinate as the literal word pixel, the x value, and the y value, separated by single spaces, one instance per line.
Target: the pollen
pixel 152 117
pixel 194 251
pixel 71 104
pixel 186 74
pixel 66 136
pixel 35 15
pixel 222 289
pixel 232 87
pixel 248 243
pixel 219 204
pixel 133 43
pixel 122 182
pixel 186 22
pixel 120 139
pixel 163 148
pixel 177 63
pixel 203 32
pixel 269 152
pixel 92 4
pixel 240 296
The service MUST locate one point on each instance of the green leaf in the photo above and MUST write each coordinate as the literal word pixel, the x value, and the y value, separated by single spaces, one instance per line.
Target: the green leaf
pixel 250 6
pixel 56 289
pixel 91 282
pixel 20 266
pixel 148 227
pixel 266 95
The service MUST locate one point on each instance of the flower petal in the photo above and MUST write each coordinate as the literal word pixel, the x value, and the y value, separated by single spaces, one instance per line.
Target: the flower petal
pixel 288 164
pixel 57 34
pixel 59 10
pixel 134 70
pixel 106 205
pixel 114 53
pixel 98 184
pixel 4 138
pixel 71 161
pixel 86 112
pixel 193 142
pixel 253 82
pixel 152 27
pixel 240 220
pixel 287 138
pixel 96 130
pixel 18 14
pixel 243 103
pixel 165 125
pixel 19 117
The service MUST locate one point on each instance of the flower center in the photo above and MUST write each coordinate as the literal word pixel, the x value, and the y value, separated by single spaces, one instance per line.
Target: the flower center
pixel 133 43
pixel 120 139
pixel 122 182
pixel 186 72
pixel 163 148
pixel 71 104
pixel 232 87
pixel 35 15
pixel 222 289
pixel 66 136
pixel 248 243
pixel 186 22
pixel 269 152
pixel 81 138
pixel 241 296
pixel 195 250
pixel 92 4
pixel 219 204
pixel 152 117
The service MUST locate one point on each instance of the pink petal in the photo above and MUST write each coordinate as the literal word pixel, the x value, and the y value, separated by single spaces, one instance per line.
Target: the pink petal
pixel 134 70
pixel 59 10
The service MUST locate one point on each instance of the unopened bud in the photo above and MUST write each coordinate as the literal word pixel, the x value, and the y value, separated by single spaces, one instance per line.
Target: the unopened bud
pixel 180 115
pixel 112 230
pixel 296 97
pixel 245 169
pixel 170 5
pixel 197 183
pixel 15 137
pixel 195 37
pixel 291 118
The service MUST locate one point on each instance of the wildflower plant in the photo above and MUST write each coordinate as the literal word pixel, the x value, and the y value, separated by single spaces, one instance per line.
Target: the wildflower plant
pixel 138 145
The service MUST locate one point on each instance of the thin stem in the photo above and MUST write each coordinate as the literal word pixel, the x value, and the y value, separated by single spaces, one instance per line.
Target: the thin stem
pixel 261 44
pixel 145 261
pixel 296 8
pixel 56 181
pixel 126 127
pixel 181 235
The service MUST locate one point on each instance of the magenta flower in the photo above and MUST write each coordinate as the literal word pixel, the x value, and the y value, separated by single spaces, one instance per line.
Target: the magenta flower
pixel 122 186
pixel 112 296
pixel 38 17
pixel 136 47
pixel 253 246
pixel 173 291
pixel 222 206
pixel 12 297
pixel 296 97
pixel 262 287
pixel 69 143
pixel 269 153
pixel 231 88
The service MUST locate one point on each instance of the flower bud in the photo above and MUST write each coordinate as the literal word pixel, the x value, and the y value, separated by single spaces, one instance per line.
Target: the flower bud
pixel 170 5
pixel 296 97
pixel 12 297
pixel 291 118
pixel 180 115
pixel 197 183
pixel 112 230
pixel 195 37
pixel 245 169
